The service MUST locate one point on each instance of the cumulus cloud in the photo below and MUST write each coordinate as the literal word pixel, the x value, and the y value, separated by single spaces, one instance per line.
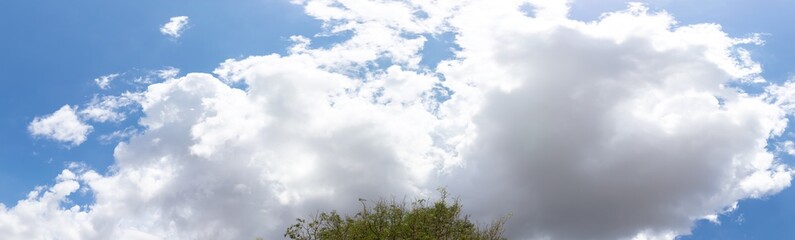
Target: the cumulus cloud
pixel 35 216
pixel 607 129
pixel 174 27
pixel 63 125
pixel 621 128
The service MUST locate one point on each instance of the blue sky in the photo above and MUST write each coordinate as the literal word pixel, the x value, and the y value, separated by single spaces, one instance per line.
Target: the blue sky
pixel 53 50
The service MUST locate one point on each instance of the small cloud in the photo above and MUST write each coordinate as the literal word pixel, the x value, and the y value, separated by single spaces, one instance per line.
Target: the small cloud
pixel 713 218
pixel 174 27
pixel 62 126
pixel 147 77
pixel 104 81
pixel 787 147
pixel 109 108
pixel 118 135
pixel 167 73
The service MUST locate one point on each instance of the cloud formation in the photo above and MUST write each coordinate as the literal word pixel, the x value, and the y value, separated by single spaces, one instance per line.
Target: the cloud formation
pixel 174 27
pixel 109 108
pixel 63 126
pixel 621 128
pixel 103 82
pixel 608 130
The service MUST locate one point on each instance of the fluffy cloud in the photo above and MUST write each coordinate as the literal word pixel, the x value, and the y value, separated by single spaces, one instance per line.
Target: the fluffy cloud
pixel 35 216
pixel 615 129
pixel 174 27
pixel 606 129
pixel 62 125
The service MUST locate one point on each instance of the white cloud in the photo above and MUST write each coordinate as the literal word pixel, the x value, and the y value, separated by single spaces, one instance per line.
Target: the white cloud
pixel 119 135
pixel 787 147
pixel 606 130
pixel 62 125
pixel 174 27
pixel 783 95
pixel 622 128
pixel 36 216
pixel 167 73
pixel 109 108
pixel 104 81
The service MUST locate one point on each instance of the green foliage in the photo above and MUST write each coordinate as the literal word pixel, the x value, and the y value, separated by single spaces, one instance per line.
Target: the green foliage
pixel 396 220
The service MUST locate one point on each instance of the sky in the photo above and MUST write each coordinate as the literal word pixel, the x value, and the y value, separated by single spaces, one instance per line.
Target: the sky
pixel 227 120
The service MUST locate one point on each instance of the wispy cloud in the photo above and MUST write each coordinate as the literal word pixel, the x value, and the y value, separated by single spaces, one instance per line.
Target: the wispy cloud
pixel 109 108
pixel 167 73
pixel 104 81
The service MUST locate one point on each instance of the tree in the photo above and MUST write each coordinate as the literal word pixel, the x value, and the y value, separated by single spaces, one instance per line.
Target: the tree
pixel 396 220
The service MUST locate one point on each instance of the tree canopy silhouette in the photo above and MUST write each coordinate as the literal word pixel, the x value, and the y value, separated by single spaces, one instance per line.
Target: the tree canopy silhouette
pixel 422 219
